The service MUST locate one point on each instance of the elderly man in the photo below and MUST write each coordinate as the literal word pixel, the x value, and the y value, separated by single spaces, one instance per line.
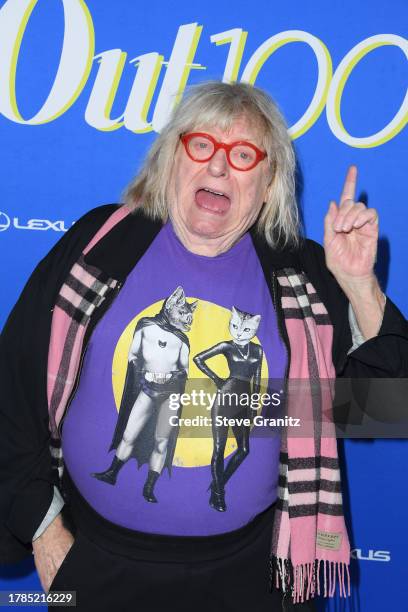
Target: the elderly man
pixel 212 211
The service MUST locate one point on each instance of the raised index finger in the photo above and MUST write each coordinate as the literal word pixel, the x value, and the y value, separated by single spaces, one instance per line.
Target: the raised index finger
pixel 349 187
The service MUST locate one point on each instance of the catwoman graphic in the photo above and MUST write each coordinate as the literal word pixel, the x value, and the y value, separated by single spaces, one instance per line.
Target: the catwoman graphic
pixel 244 361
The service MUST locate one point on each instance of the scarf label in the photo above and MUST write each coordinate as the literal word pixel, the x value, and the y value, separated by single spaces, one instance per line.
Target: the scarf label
pixel 328 540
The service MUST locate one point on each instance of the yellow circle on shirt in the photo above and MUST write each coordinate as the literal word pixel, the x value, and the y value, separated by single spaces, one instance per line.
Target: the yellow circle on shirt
pixel 210 326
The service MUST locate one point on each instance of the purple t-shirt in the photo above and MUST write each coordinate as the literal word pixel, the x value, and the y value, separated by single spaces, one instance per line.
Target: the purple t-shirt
pixel 221 313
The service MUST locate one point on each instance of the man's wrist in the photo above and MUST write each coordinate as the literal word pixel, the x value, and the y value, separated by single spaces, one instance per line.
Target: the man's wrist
pixel 369 312
pixel 54 529
pixel 357 288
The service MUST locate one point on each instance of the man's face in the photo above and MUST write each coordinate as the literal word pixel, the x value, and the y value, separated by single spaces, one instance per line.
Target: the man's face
pixel 213 200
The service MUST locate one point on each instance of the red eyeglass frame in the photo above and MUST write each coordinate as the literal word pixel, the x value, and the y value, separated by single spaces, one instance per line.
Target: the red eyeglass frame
pixel 185 139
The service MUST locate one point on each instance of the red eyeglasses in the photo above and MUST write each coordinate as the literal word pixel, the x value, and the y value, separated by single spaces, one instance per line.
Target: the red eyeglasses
pixel 201 147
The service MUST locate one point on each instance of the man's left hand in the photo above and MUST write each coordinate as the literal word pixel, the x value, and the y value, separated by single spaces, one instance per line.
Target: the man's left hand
pixel 351 237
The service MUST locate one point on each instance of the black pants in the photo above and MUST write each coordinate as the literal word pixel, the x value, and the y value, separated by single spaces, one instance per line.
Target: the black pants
pixel 113 568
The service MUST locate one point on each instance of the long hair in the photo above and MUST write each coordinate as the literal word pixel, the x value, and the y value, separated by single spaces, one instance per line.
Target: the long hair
pixel 219 104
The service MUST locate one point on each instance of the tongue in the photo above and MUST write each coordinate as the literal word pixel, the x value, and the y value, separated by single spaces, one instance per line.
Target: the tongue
pixel 212 201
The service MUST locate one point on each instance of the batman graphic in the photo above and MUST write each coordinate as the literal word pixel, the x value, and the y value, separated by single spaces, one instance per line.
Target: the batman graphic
pixel 157 368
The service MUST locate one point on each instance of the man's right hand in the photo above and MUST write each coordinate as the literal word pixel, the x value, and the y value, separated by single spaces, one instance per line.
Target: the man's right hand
pixel 50 550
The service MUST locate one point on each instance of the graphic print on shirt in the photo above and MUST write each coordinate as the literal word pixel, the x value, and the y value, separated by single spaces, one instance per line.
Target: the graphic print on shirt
pixel 157 367
pixel 244 359
pixel 146 374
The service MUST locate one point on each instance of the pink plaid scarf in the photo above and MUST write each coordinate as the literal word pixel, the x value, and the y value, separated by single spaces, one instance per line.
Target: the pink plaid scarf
pixel 309 528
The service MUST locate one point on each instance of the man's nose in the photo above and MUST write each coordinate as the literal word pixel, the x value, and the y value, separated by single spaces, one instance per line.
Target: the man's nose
pixel 218 164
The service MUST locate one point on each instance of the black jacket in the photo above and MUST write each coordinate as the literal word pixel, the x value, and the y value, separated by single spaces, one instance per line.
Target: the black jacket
pixel 26 474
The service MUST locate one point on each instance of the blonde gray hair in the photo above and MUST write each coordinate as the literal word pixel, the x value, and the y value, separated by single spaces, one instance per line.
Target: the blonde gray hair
pixel 219 104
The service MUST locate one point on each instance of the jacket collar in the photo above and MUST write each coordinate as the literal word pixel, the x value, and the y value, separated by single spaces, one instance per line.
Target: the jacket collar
pixel 120 249
pixel 277 257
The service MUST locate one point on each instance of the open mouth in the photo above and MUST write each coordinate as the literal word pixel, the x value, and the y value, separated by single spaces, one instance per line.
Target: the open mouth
pixel 214 201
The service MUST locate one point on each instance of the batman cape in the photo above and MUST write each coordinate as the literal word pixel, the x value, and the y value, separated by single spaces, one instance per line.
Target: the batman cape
pixel 134 383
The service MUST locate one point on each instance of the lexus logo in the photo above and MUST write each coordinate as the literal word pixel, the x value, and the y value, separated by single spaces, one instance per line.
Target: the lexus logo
pixel 4 221
pixel 7 222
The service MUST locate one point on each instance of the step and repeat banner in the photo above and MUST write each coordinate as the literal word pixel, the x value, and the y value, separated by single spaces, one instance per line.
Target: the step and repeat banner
pixel 86 85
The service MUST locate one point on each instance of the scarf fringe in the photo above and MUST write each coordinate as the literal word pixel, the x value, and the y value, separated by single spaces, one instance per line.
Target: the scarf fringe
pixel 304 581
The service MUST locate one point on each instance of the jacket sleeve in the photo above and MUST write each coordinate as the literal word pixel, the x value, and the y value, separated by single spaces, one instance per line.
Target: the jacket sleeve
pixel 52 512
pixel 383 356
pixel 27 479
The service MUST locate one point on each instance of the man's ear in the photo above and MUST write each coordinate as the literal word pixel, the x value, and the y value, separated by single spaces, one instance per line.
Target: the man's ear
pixel 267 191
pixel 270 180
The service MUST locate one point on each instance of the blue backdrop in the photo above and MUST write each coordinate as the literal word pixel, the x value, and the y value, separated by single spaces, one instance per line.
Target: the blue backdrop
pixel 84 87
